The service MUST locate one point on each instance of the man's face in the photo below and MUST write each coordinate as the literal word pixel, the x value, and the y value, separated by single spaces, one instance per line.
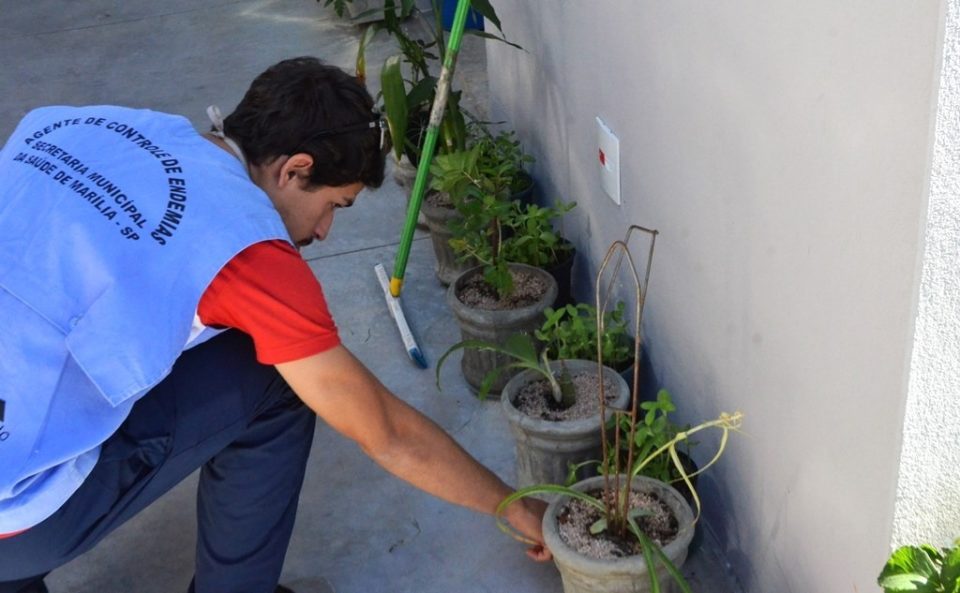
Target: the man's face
pixel 308 213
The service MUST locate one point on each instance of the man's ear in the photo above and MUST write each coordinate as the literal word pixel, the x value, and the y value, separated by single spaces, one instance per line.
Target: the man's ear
pixel 295 168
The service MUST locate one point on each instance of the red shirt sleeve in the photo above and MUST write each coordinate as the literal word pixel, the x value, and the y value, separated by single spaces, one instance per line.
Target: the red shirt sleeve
pixel 270 293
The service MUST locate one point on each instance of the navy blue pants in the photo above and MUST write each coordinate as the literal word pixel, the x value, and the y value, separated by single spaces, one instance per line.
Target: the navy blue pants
pixel 220 411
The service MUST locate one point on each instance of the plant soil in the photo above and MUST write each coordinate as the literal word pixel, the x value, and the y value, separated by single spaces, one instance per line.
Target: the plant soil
pixel 576 517
pixel 527 290
pixel 536 398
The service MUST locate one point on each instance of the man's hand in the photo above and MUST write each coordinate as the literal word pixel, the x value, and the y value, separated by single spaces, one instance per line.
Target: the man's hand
pixel 526 516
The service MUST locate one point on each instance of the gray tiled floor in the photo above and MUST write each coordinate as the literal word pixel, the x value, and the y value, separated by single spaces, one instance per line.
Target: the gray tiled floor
pixel 358 529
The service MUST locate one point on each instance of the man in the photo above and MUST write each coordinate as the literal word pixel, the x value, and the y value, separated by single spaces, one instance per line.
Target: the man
pixel 127 240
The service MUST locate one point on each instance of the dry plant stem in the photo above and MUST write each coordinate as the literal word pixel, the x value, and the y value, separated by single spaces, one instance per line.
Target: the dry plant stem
pixel 640 294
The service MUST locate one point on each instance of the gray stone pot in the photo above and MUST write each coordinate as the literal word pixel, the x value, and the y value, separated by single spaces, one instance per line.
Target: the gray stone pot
pixel 403 172
pixel 546 448
pixel 495 327
pixel 447 268
pixel 622 575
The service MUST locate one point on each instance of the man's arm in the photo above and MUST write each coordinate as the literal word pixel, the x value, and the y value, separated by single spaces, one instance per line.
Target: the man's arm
pixel 402 440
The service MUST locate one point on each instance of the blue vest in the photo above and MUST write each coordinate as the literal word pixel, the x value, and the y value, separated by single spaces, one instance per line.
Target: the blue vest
pixel 113 222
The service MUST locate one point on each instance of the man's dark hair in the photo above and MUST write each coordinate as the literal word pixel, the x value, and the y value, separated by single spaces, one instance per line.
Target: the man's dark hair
pixel 288 109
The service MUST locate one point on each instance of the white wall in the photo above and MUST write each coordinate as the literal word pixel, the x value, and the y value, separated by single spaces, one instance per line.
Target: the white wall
pixel 783 150
pixel 928 493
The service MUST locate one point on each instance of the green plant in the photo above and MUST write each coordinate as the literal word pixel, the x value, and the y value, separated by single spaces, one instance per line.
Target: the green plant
pixel 922 569
pixel 571 332
pixel 655 431
pixel 501 161
pixel 523 350
pixel 407 81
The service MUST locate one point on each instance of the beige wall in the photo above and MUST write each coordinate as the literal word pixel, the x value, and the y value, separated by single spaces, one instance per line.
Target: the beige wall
pixel 782 149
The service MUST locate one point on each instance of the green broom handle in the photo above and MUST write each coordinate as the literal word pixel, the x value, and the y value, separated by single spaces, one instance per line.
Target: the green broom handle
pixel 429 145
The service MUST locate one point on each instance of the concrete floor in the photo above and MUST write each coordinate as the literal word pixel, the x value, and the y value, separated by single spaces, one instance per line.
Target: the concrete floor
pixel 358 529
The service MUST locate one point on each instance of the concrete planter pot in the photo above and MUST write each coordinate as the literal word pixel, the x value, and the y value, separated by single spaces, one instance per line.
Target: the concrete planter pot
pixel 545 448
pixel 495 327
pixel 525 194
pixel 447 268
pixel 404 173
pixel 623 575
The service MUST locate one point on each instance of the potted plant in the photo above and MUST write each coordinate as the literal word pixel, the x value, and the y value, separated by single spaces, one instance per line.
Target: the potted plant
pixel 622 531
pixel 922 569
pixel 619 533
pixel 491 303
pixel 551 406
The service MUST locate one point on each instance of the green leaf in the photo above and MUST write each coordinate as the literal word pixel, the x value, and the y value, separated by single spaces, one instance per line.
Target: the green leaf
pixel 599 526
pixel 672 569
pixel 521 346
pixel 486 9
pixel 394 102
pixel 487 383
pixel 909 569
pixel 485 35
pixel 905 583
pixel 639 512
pixel 422 92
pixel 368 34
pixel 646 545
pixel 541 489
pixel 950 573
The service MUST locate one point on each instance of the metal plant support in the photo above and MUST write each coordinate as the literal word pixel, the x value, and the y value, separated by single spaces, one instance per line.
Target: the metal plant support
pixel 622 249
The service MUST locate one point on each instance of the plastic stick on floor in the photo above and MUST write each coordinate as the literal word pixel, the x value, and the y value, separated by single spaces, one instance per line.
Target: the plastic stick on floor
pixel 393 304
pixel 429 144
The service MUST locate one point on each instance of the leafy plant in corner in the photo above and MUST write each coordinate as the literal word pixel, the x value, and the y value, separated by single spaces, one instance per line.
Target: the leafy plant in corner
pixel 407 81
pixel 523 350
pixel 922 569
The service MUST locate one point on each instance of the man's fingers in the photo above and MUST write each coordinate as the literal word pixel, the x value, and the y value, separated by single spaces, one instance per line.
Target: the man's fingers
pixel 539 553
